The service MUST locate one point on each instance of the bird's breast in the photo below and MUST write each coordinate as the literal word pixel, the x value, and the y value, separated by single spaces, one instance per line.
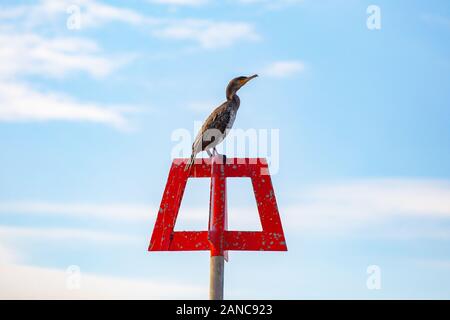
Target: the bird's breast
pixel 232 118
pixel 232 109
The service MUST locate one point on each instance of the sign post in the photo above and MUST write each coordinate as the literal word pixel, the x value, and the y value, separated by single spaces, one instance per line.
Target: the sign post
pixel 217 226
pixel 218 239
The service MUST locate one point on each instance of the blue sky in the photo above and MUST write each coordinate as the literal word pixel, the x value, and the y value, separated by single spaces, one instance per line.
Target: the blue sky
pixel 86 123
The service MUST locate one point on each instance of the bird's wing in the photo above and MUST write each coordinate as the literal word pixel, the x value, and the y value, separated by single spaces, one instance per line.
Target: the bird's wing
pixel 218 119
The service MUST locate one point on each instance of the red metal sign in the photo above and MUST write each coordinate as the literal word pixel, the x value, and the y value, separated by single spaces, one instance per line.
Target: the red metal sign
pixel 218 239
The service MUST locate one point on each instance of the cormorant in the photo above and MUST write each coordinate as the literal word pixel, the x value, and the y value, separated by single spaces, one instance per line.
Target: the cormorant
pixel 216 126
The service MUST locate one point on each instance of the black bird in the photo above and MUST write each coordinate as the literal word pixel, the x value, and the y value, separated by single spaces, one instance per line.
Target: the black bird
pixel 216 126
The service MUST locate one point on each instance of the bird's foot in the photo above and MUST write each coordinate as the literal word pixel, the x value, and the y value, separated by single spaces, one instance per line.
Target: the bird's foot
pixel 215 154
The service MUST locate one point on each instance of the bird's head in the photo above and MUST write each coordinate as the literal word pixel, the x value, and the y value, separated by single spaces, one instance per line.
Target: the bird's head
pixel 236 84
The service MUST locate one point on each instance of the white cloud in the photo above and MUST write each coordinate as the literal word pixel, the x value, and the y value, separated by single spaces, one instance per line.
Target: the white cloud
pixel 28 53
pixel 190 218
pixel 18 281
pixel 96 13
pixel 21 281
pixel 92 13
pixel 180 2
pixel 126 212
pixel 7 256
pixel 269 4
pixel 282 69
pixel 272 4
pixel 329 207
pixel 29 282
pixel 208 34
pixel 362 203
pixel 21 103
pixel 12 232
pixel 372 205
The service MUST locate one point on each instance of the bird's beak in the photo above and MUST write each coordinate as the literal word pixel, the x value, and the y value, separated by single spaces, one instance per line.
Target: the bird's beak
pixel 251 77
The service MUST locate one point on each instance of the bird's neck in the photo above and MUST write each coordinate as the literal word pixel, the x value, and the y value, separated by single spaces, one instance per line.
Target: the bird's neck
pixel 230 92
pixel 232 96
pixel 233 103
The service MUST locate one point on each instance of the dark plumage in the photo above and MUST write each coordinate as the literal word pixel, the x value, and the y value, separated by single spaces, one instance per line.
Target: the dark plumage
pixel 216 126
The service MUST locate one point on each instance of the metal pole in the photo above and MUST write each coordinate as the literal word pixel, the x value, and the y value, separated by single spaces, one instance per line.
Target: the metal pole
pixel 217 221
pixel 216 277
